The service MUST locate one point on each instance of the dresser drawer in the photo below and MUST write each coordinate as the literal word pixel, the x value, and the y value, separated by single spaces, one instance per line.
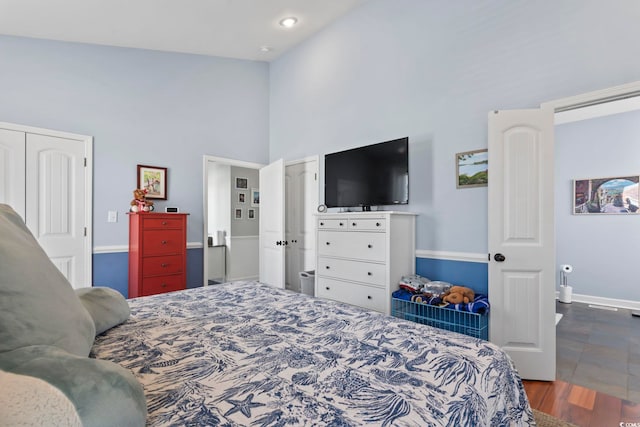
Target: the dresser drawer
pixel 367 224
pixel 161 265
pixel 162 223
pixel 361 295
pixel 161 284
pixel 359 271
pixel 161 242
pixel 333 223
pixel 366 246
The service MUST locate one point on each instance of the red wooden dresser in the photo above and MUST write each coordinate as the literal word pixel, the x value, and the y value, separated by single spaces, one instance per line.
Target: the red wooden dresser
pixel 157 253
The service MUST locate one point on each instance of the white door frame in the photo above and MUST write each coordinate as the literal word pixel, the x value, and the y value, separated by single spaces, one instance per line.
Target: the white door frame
pixel 88 179
pixel 205 205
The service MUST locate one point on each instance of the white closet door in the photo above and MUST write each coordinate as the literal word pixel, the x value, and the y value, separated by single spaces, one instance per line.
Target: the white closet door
pixel 272 236
pixel 12 170
pixel 55 202
pixel 301 203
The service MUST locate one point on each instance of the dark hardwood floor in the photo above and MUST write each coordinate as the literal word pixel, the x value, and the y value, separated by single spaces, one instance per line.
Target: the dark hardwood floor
pixel 581 406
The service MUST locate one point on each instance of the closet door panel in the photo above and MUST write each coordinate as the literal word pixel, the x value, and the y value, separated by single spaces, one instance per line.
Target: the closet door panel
pixel 56 200
pixel 12 170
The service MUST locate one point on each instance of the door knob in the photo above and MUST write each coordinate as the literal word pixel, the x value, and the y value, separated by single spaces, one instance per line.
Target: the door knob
pixel 499 257
pixel 279 242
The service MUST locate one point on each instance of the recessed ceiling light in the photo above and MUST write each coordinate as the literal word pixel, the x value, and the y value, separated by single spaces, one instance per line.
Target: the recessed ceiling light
pixel 289 22
pixel 265 49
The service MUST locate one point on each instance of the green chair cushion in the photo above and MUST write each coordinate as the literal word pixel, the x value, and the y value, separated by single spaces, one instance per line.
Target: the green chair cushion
pixel 103 393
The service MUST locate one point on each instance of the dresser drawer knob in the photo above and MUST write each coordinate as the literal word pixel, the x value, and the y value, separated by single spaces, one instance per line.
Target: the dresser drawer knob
pixel 327 288
pixel 369 246
pixel 328 243
pixel 341 224
pixel 327 267
pixel 378 224
pixel 164 242
pixel 164 285
pixel 369 297
pixel 164 265
pixel 369 273
pixel 322 223
pixel 353 224
pixel 164 222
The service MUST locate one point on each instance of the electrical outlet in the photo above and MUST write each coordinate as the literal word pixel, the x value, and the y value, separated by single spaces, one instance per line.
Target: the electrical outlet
pixel 112 216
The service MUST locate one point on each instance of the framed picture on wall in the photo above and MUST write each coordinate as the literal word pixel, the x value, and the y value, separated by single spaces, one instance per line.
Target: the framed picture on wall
pixel 153 179
pixel 237 213
pixel 617 195
pixel 251 214
pixel 472 169
pixel 241 197
pixel 242 183
pixel 255 197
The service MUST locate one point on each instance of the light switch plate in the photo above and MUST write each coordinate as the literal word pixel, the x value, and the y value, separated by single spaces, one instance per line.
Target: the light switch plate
pixel 112 216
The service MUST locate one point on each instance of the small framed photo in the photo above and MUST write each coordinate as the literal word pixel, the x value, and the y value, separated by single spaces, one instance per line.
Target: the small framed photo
pixel 613 196
pixel 255 197
pixel 472 169
pixel 237 213
pixel 242 183
pixel 153 179
pixel 242 197
pixel 251 214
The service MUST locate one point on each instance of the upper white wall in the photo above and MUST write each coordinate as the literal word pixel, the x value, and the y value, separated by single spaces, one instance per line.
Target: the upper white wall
pixel 141 107
pixel 601 248
pixel 432 70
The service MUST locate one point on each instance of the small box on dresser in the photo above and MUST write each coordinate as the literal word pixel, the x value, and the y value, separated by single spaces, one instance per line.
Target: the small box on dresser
pixel 157 253
pixel 361 256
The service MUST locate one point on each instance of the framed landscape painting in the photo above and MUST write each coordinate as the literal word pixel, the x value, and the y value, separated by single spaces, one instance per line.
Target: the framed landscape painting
pixel 472 169
pixel 153 179
pixel 617 195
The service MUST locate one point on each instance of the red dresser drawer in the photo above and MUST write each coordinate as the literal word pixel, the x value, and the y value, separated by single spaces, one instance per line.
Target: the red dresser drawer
pixel 159 265
pixel 163 242
pixel 162 223
pixel 162 284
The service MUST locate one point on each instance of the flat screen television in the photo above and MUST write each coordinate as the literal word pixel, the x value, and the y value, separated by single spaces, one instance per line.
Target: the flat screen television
pixel 373 175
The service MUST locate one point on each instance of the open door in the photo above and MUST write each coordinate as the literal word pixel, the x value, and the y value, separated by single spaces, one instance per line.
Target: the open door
pixel 272 230
pixel 521 239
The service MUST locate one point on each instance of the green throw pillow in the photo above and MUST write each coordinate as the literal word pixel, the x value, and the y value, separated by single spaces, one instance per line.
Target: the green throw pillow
pixel 37 303
pixel 107 307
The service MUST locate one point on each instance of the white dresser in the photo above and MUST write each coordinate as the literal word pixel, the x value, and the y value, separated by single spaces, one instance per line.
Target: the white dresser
pixel 361 256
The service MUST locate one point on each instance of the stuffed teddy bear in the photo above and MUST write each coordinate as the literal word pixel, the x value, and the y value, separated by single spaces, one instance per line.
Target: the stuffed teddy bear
pixel 140 202
pixel 459 294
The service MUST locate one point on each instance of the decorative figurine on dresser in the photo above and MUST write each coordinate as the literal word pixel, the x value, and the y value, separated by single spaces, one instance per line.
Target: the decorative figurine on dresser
pixel 157 253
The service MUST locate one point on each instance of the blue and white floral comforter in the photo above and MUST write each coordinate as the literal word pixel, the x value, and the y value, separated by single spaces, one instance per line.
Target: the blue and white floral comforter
pixel 245 353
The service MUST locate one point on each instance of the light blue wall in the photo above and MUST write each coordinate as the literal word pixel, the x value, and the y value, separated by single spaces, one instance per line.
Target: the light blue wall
pixel 603 249
pixel 141 107
pixel 432 70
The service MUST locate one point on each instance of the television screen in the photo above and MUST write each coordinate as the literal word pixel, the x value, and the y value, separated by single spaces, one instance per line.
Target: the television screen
pixel 373 175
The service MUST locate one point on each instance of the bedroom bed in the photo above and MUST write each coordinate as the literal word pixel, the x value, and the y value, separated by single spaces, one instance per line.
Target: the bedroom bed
pixel 246 353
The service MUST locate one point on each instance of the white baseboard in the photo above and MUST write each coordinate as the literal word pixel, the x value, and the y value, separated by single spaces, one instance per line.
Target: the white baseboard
pixel 608 302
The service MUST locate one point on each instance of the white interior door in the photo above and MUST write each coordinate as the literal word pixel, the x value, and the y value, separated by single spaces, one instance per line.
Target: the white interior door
pixel 12 170
pixel 272 231
pixel 521 239
pixel 301 185
pixel 56 203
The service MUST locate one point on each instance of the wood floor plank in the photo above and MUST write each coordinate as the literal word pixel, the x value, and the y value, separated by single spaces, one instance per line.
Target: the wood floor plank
pixel 582 397
pixel 580 405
